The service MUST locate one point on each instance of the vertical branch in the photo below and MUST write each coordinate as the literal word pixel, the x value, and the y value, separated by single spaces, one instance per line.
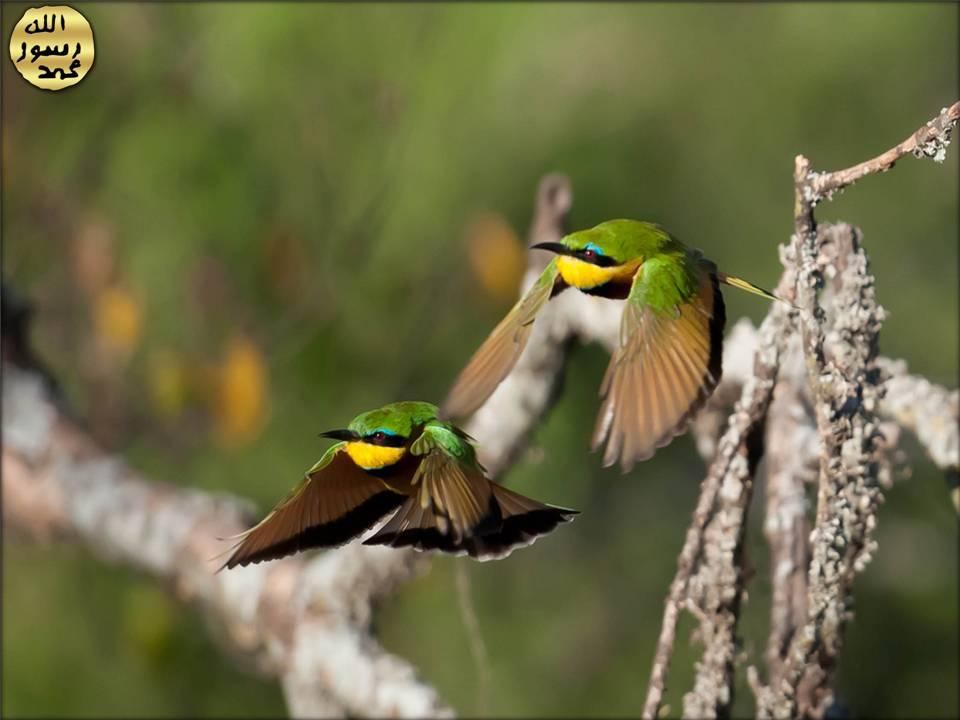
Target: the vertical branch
pixel 503 424
pixel 792 450
pixel 714 593
pixel 849 390
pixel 716 589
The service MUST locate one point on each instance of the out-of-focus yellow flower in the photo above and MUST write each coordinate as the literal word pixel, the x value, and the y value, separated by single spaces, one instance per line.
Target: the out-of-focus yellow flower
pixel 167 379
pixel 241 400
pixel 118 320
pixel 496 256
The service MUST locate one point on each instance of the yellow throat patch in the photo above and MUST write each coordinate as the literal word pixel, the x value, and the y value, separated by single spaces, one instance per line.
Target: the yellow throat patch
pixel 372 457
pixel 582 275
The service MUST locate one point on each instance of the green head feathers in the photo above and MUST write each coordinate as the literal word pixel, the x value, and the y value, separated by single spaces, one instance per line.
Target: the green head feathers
pixel 621 240
pixel 399 419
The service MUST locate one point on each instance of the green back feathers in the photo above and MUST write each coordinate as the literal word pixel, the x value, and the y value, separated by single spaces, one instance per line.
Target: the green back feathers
pixel 625 240
pixel 399 418
pixel 666 281
pixel 446 437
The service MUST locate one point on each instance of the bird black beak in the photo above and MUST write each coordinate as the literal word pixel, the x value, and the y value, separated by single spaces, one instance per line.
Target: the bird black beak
pixel 555 247
pixel 340 434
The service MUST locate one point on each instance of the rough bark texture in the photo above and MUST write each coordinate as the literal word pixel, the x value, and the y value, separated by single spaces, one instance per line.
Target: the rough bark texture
pixel 929 411
pixel 791 443
pixel 848 388
pixel 709 579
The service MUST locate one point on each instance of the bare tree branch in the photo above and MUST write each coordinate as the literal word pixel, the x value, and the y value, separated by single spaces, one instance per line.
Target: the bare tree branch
pixel 931 140
pixel 849 490
pixel 929 411
pixel 792 450
pixel 714 595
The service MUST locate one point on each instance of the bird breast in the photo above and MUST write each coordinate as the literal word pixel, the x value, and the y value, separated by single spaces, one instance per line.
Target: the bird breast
pixel 583 275
pixel 373 457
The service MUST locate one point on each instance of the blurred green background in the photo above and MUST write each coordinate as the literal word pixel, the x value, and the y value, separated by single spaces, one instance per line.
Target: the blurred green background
pixel 250 222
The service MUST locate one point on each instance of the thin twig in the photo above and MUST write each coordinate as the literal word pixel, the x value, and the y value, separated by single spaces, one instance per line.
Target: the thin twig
pixel 478 648
pixel 930 140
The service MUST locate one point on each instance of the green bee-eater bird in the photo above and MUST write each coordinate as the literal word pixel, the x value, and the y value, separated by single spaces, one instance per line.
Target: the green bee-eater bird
pixel 671 333
pixel 399 458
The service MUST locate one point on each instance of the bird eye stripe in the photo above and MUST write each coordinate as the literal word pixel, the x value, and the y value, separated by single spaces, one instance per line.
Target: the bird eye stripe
pixel 595 256
pixel 387 438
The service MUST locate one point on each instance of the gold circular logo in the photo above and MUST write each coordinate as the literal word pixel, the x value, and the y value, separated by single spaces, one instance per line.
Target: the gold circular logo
pixel 52 47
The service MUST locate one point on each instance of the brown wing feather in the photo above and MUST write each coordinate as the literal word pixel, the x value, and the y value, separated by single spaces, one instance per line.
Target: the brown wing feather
pixel 333 505
pixel 460 495
pixel 662 373
pixel 495 358
pixel 449 502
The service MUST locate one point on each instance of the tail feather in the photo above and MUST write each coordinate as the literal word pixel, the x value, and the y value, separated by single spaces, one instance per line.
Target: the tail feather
pixel 511 521
pixel 749 287
pixel 524 520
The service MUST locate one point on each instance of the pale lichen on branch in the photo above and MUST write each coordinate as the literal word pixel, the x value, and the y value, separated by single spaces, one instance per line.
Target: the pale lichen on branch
pixel 844 445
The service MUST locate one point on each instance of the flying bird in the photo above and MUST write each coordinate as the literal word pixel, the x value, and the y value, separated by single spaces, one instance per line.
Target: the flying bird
pixel 668 360
pixel 399 459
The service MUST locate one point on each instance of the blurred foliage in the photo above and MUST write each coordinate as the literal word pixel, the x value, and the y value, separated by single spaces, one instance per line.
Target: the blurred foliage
pixel 250 222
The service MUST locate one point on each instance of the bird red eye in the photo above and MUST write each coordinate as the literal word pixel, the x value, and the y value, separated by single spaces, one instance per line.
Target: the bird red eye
pixel 589 254
pixel 378 435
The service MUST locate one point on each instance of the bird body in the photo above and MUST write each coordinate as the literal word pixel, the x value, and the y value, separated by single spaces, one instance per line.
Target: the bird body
pixel 403 459
pixel 668 359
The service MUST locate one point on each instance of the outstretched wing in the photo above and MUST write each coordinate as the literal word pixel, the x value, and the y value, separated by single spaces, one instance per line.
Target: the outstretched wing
pixel 454 508
pixel 494 359
pixel 668 362
pixel 335 502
